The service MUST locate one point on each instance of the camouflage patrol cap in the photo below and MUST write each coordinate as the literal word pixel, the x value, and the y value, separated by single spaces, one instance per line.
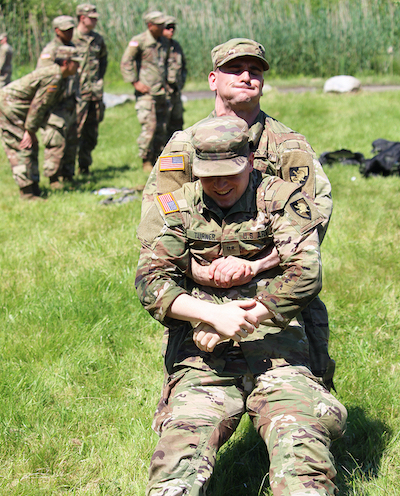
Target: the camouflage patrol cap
pixel 155 17
pixel 87 9
pixel 221 145
pixel 68 53
pixel 238 47
pixel 63 22
pixel 3 35
pixel 170 20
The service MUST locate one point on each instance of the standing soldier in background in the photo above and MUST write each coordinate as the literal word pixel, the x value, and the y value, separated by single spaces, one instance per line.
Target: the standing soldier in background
pixel 60 134
pixel 176 77
pixel 24 107
pixel 92 48
pixel 144 64
pixel 6 53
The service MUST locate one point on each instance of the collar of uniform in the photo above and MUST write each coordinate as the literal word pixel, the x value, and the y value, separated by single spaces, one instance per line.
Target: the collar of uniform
pixel 246 203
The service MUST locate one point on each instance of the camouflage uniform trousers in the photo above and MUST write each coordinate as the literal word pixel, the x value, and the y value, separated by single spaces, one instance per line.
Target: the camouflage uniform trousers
pixel 296 417
pixel 24 163
pixel 152 114
pixel 175 113
pixel 60 139
pixel 89 115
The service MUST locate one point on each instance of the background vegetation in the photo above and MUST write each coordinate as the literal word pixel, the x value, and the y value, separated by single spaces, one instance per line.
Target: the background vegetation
pixel 312 37
pixel 80 366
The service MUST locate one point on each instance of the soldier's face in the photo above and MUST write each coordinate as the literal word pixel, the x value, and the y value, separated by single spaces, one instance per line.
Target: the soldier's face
pixel 156 29
pixel 227 190
pixel 169 31
pixel 65 36
pixel 89 22
pixel 239 82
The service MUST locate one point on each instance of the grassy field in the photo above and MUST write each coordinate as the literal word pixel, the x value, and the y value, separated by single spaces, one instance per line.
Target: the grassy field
pixel 79 358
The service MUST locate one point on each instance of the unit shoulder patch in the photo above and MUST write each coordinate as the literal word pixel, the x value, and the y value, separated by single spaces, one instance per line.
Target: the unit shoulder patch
pixel 299 174
pixel 301 208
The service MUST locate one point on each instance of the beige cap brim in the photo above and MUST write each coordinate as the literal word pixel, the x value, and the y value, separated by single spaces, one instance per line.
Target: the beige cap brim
pixel 223 167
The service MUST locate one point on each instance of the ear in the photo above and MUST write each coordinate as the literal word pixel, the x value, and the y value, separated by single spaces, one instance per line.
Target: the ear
pixel 212 77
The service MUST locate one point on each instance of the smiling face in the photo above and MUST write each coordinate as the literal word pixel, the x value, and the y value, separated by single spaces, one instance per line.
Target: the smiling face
pixel 227 190
pixel 238 83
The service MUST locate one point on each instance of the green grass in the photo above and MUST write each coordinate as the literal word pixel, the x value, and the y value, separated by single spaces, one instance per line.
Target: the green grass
pixel 80 359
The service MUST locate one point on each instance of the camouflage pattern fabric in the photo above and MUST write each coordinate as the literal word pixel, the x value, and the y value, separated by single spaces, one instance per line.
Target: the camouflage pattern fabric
pixel 202 231
pixel 6 53
pixel 152 114
pixel 200 410
pixel 90 109
pixel 59 136
pixel 25 105
pixel 278 151
pixel 176 77
pixel 145 60
pixel 266 374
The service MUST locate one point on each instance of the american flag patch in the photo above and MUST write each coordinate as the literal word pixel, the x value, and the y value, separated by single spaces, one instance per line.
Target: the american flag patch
pixel 52 88
pixel 172 162
pixel 168 203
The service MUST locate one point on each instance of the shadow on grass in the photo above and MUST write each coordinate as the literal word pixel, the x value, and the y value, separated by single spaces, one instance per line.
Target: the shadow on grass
pixel 89 182
pixel 358 454
pixel 243 464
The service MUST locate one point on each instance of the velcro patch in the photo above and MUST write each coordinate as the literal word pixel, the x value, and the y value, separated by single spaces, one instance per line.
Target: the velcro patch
pixel 301 208
pixel 133 43
pixel 172 162
pixel 52 88
pixel 168 203
pixel 45 56
pixel 299 174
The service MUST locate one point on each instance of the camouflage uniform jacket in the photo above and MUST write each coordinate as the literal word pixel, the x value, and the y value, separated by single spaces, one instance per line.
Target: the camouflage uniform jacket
pixel 176 73
pixel 93 50
pixel 145 60
pixel 270 211
pixel 6 53
pixel 28 101
pixel 47 58
pixel 278 151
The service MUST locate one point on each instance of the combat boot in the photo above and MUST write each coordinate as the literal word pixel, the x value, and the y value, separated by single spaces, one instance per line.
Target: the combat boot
pixel 31 193
pixel 84 170
pixel 55 183
pixel 147 165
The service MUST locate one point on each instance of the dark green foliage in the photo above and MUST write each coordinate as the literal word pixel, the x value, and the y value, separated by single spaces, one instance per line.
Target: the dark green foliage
pixel 313 38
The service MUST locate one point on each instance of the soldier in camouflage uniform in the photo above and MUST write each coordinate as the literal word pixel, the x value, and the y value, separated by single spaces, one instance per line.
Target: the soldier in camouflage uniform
pixel 90 110
pixel 60 134
pixel 237 79
pixel 144 64
pixel 176 77
pixel 24 107
pixel 6 53
pixel 239 349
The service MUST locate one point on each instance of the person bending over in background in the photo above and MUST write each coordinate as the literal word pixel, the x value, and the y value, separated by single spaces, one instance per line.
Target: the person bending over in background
pixel 24 107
